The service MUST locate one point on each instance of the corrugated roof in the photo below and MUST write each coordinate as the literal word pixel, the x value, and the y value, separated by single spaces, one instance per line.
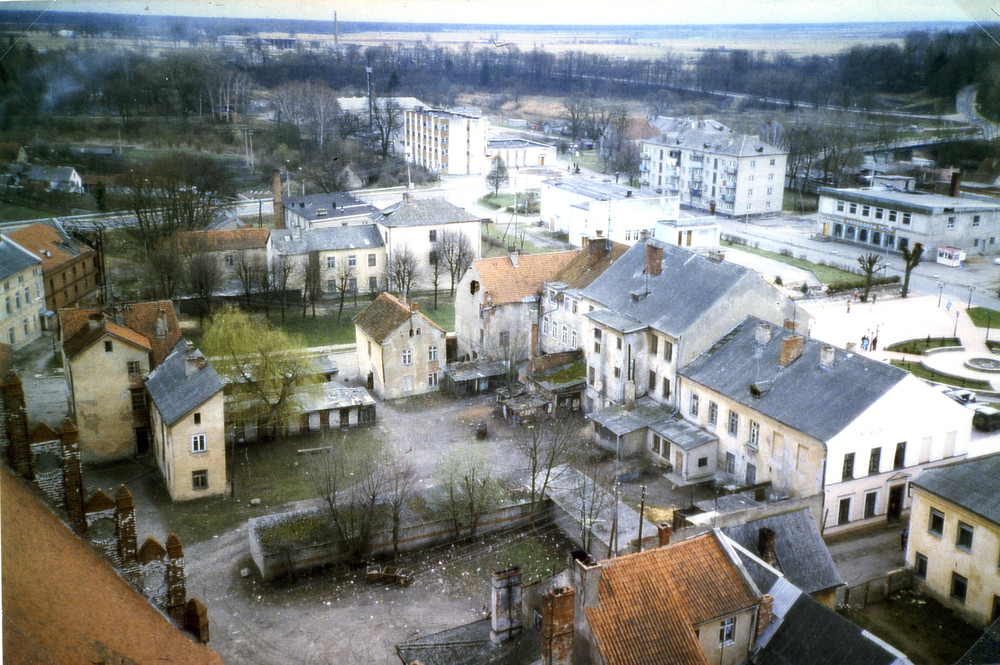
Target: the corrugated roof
pixel 14 259
pixel 817 401
pixel 157 322
pixel 177 391
pixel 424 212
pixel 50 243
pixel 507 283
pixel 621 420
pixel 973 484
pixel 598 190
pixel 385 315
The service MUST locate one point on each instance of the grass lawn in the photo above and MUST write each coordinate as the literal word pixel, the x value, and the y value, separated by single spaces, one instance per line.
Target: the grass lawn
pixel 496 237
pixel 806 203
pixel 13 213
pixel 825 274
pixel 920 346
pixel 918 370
pixel 984 316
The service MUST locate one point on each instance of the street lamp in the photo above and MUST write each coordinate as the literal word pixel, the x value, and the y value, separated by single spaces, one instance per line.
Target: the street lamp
pixel 940 289
pixel 989 322
pixel 955 334
pixel 971 289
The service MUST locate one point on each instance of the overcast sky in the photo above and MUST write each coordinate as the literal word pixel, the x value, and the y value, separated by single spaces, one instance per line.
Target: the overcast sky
pixel 636 12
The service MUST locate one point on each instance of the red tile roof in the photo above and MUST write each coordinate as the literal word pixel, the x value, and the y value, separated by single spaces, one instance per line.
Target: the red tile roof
pixel 384 316
pixel 650 602
pixel 157 322
pixel 508 283
pixel 578 273
pixel 62 603
pixel 88 335
pixel 72 320
pixel 48 244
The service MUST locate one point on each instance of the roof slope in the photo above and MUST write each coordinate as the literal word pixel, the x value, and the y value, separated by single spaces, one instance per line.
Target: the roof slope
pixel 798 546
pixel 385 315
pixel 49 242
pixel 14 259
pixel 506 282
pixel 334 238
pixel 62 603
pixel 220 241
pixel 424 212
pixel 157 322
pixel 649 603
pixel 973 484
pixel 89 335
pixel 578 273
pixel 688 286
pixel 333 205
pixel 817 401
pixel 177 390
pixel 713 138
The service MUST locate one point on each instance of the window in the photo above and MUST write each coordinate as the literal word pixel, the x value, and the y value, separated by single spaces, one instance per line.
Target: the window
pixel 936 523
pixel 545 325
pixel 964 539
pixel 879 213
pixel 848 471
pixel 108 346
pixel 750 191
pixel 618 372
pixel 407 356
pixel 373 284
pixel 959 587
pixel 713 414
pixel 840 206
pixel 730 463
pixel 853 209
pixel 138 400
pixel 26 327
pixel 331 262
pixel 573 338
pixel 574 307
pixel 754 439
pixel 694 404
pixel 871 501
pixel 618 343
pixel 653 344
pixel 565 334
pixel 874 460
pixel 504 339
pixel 920 566
pixel 844 511
pixel 770 190
pixel 800 456
pixel 134 367
pixel 197 419
pixel 727 631
pixel 432 353
pixel 899 460
pixel 17 301
pixel 734 423
pixel 352 261
pixel 432 235
pixel 199 479
pixel 652 381
pixel 198 443
pixel 668 351
pixel 331 285
pixel 27 296
pixel 892 215
pixel 7 305
pixel 352 285
pixel 771 163
pixel 432 380
pixel 951 223
pixel 10 335
pixel 751 180
pixel 751 474
pixel 371 261
pixel 865 211
pixel 666 388
pixel 906 218
pixel 975 220
pixel 590 376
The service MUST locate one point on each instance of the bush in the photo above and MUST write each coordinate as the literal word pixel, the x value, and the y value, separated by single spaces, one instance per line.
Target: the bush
pixel 778 281
pixel 859 283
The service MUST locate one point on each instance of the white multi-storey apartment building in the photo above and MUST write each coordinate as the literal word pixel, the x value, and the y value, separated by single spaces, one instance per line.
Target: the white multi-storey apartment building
pixel 451 142
pixel 712 168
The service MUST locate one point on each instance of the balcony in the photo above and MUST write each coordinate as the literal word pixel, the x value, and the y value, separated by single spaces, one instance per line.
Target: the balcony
pixel 696 178
pixel 731 170
pixel 695 191
pixel 728 198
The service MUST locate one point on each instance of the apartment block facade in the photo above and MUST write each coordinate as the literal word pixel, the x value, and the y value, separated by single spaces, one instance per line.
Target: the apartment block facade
pixel 450 142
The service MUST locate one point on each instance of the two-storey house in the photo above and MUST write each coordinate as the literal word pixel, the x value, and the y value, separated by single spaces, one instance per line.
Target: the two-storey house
pixel 346 258
pixel 317 211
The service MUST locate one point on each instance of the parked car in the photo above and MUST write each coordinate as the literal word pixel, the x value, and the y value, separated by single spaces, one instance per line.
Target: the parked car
pixel 986 419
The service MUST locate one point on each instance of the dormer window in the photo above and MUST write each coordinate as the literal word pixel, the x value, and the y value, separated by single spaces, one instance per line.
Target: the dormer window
pixel 321 212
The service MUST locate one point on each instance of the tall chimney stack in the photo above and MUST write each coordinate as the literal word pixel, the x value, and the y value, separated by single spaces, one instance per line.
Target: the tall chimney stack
pixel 956 184
pixel 663 532
pixel 791 348
pixel 557 626
pixel 279 209
pixel 654 259
pixel 506 596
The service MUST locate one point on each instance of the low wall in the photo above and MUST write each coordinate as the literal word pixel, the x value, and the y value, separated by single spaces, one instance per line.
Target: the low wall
pixel 279 558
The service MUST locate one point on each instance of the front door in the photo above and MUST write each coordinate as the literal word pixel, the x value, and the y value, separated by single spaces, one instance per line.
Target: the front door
pixel 345 417
pixel 370 382
pixel 679 464
pixel 894 511
pixel 141 441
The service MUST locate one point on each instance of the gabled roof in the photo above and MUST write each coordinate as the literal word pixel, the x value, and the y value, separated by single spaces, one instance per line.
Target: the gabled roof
pixel 973 484
pixel 49 243
pixel 225 241
pixel 508 283
pixel 687 287
pixel 385 315
pixel 179 386
pixel 89 335
pixel 815 400
pixel 799 549
pixel 649 603
pixel 579 272
pixel 14 258
pixel 712 138
pixel 331 239
pixel 330 205
pixel 63 603
pixel 72 320
pixel 423 212
pixel 157 322
pixel 52 174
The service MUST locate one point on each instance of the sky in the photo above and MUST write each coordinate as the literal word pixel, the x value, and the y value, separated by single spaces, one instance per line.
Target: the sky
pixel 580 12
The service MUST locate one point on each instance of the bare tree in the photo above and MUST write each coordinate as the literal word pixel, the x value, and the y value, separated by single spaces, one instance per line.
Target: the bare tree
pixel 281 273
pixel 870 264
pixel 312 284
pixel 911 259
pixel 164 269
pixel 204 276
pixel 773 133
pixel 346 282
pixel 248 266
pixel 402 270
pixel 547 445
pixel 469 488
pixel 401 478
pixel 576 113
pixel 497 176
pixel 593 491
pixel 455 251
pixel 387 117
pixel 437 270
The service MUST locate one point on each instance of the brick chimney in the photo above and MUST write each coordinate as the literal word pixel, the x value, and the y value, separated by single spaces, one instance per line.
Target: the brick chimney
pixel 762 333
pixel 557 626
pixel 97 321
pixel 69 437
pixel 765 545
pixel 161 322
pixel 194 363
pixel 663 532
pixel 790 325
pixel 826 356
pixel 17 426
pixel 955 189
pixel 764 613
pixel 654 259
pixel 585 572
pixel 196 620
pixel 279 208
pixel 533 351
pixel 597 249
pixel 176 579
pixel 791 348
pixel 127 539
pixel 506 604
pixel 414 307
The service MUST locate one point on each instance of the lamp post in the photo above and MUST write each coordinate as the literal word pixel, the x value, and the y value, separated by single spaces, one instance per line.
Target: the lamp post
pixel 955 334
pixel 940 289
pixel 971 289
pixel 989 323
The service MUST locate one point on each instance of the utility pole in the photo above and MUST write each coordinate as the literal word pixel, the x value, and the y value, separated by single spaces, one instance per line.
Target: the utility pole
pixel 642 510
pixel 368 85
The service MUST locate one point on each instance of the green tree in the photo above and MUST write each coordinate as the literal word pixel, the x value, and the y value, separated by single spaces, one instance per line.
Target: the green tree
pixel 498 176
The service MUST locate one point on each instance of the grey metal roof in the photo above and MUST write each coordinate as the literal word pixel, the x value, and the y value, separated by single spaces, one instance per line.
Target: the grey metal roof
pixel 712 138
pixel 424 212
pixel 688 286
pixel 14 258
pixel 598 190
pixel 474 369
pixel 621 421
pixel 683 433
pixel 973 484
pixel 817 401
pixel 470 644
pixel 801 555
pixel 336 205
pixel 614 320
pixel 812 634
pixel 175 391
pixel 918 202
pixel 986 650
pixel 334 238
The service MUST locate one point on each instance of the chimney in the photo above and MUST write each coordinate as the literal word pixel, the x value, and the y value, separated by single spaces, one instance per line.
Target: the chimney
pixel 955 189
pixel 96 321
pixel 279 209
pixel 557 626
pixel 414 307
pixel 628 193
pixel 597 249
pixel 629 395
pixel 654 259
pixel 765 545
pixel 586 574
pixel 161 322
pixel 764 613
pixel 533 351
pixel 790 325
pixel 513 257
pixel 196 620
pixel 791 348
pixel 763 333
pixel 663 532
pixel 193 364
pixel 506 596
pixel 826 356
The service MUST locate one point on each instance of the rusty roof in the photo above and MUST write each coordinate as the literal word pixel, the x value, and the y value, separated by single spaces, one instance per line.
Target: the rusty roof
pixel 507 282
pixel 72 320
pixel 157 322
pixel 650 603
pixel 385 315
pixel 221 241
pixel 578 273
pixel 49 243
pixel 63 603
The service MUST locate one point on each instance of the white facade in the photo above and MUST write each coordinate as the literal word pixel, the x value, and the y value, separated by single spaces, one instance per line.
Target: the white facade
pixel 517 153
pixel 449 142
pixel 690 232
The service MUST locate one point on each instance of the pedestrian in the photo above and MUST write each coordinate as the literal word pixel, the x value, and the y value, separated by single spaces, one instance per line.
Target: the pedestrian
pixel 848 305
pixel 864 343
pixel 873 299
pixel 855 295
pixel 903 537
pixel 874 342
pixel 948 306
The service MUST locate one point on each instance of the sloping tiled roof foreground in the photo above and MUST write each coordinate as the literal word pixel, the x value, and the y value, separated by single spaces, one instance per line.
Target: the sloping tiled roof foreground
pixel 62 603
pixel 48 243
pixel 384 316
pixel 507 283
pixel 650 602
pixel 157 322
